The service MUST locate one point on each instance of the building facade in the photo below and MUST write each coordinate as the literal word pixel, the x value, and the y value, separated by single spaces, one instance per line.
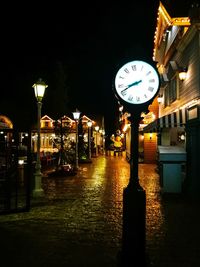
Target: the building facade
pixel 51 132
pixel 177 53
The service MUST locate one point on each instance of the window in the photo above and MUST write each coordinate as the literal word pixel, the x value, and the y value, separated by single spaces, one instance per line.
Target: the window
pixel 166 95
pixel 172 90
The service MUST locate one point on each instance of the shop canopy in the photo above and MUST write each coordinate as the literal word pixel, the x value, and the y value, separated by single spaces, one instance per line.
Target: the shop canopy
pixel 175 119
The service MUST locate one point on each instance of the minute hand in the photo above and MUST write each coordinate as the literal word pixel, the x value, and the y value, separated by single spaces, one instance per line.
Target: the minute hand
pixel 130 85
pixel 135 83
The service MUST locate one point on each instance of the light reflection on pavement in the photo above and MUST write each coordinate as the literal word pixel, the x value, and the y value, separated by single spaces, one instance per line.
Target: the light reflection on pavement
pixel 79 222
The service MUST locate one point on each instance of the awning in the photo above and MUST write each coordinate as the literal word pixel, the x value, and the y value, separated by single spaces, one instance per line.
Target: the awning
pixel 175 119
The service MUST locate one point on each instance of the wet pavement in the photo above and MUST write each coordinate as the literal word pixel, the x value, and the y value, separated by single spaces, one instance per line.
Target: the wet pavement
pixel 79 221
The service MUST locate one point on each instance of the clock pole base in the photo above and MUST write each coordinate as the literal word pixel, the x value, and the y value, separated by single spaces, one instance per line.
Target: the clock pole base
pixel 133 231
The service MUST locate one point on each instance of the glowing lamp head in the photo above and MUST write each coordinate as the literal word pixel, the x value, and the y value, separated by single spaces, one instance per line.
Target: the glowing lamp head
pixel 96 128
pixel 76 115
pixel 39 89
pixel 183 74
pixel 89 123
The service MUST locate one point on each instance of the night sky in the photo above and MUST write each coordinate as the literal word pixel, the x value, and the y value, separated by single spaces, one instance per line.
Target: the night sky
pixel 76 49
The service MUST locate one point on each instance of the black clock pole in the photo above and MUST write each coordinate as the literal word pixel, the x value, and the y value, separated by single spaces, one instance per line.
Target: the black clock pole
pixel 136 84
pixel 134 207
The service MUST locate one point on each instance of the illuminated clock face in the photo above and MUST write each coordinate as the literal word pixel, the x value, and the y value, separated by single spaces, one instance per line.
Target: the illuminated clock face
pixel 136 82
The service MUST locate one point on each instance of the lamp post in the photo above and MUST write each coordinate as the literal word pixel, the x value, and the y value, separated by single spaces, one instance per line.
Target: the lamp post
pixel 39 89
pixel 96 129
pixel 76 116
pixel 89 124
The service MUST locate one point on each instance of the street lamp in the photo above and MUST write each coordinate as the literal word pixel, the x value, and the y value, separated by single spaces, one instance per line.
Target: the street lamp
pixel 39 89
pixel 96 129
pixel 76 116
pixel 89 124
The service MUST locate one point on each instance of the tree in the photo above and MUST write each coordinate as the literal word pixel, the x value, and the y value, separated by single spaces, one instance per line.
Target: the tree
pixel 65 162
pixel 81 144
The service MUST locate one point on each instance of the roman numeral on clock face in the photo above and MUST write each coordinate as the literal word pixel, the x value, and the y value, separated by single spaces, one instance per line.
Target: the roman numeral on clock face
pixel 149 72
pixel 150 89
pixel 137 98
pixel 126 70
pixel 130 98
pixel 134 67
pixel 123 92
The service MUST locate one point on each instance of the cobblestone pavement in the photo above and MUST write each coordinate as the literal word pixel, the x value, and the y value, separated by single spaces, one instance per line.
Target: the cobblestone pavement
pixel 79 222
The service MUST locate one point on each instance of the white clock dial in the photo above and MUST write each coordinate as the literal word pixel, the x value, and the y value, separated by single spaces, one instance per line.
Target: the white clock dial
pixel 136 82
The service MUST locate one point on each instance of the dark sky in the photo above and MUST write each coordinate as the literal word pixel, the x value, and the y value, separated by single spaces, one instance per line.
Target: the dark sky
pixel 86 40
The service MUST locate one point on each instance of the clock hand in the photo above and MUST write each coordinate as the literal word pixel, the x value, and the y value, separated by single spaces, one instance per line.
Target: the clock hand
pixel 135 83
pixel 130 85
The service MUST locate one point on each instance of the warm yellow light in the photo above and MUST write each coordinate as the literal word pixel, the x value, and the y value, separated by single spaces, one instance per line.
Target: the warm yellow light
pixel 20 161
pixel 125 128
pixel 160 99
pixel 96 128
pixel 76 114
pixel 183 74
pixel 89 123
pixel 182 137
pixel 39 88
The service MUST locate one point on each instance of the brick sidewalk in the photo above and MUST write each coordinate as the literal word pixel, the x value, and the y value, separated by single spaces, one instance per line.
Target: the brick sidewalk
pixel 79 222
